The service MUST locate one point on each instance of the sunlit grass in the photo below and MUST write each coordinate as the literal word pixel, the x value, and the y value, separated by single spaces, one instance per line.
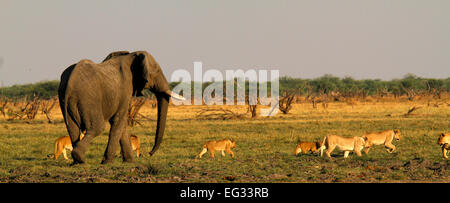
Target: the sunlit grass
pixel 264 152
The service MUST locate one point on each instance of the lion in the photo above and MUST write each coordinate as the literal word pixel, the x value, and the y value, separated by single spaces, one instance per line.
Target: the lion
pixel 346 144
pixel 444 141
pixel 222 145
pixel 385 137
pixel 305 147
pixel 62 144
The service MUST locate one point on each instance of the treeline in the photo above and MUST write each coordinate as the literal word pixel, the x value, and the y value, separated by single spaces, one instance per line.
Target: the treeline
pixel 44 90
pixel 325 85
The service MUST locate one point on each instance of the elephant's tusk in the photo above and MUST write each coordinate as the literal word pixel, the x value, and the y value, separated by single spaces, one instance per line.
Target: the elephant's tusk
pixel 175 95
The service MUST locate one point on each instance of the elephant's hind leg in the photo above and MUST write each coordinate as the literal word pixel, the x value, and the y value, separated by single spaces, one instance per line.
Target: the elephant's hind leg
pixel 74 133
pixel 116 136
pixel 80 148
pixel 126 148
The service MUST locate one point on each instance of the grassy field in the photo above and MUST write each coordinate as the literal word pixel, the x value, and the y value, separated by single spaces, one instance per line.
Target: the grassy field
pixel 264 152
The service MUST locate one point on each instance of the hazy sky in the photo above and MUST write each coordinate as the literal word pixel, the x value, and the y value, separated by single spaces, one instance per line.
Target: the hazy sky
pixel 307 39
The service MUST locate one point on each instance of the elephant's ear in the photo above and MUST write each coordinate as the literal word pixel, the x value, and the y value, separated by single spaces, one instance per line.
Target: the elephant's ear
pixel 140 72
pixel 114 54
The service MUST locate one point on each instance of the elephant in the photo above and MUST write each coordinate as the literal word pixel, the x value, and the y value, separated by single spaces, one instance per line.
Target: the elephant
pixel 92 94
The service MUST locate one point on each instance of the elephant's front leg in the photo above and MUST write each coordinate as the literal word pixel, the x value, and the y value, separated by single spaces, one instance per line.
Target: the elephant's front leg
pixel 118 125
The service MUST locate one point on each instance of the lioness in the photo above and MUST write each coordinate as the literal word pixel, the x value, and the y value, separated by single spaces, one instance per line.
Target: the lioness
pixel 384 137
pixel 346 144
pixel 222 145
pixel 305 147
pixel 444 141
pixel 62 144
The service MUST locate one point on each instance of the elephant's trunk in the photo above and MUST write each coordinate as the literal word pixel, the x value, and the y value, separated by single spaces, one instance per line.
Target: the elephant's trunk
pixel 163 104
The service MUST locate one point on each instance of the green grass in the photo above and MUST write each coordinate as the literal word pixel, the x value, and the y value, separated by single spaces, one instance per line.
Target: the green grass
pixel 264 152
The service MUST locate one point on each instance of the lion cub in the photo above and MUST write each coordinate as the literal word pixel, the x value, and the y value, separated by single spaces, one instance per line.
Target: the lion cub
pixel 444 141
pixel 222 145
pixel 305 147
pixel 346 144
pixel 381 138
pixel 62 144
